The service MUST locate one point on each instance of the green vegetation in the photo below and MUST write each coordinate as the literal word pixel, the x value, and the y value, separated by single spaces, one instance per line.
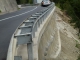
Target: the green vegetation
pixel 78 46
pixel 24 1
pixel 0 11
pixel 72 8
pixel 78 57
pixel 18 8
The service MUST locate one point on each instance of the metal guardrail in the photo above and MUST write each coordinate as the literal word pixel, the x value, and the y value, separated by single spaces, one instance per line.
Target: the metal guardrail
pixel 40 19
pixel 27 32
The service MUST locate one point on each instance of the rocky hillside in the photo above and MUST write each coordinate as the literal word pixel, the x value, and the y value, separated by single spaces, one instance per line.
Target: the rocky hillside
pixel 70 42
pixel 8 5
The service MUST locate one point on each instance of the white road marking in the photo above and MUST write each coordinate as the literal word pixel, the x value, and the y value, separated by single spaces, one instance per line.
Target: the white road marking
pixel 18 15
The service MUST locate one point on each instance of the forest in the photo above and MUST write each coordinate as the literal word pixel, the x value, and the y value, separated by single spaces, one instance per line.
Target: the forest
pixel 72 9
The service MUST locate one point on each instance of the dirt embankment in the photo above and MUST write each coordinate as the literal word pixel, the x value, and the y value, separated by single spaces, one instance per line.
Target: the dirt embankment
pixel 69 39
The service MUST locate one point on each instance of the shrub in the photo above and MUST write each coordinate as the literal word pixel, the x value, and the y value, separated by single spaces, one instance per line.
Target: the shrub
pixel 78 57
pixel 77 44
pixel 0 11
pixel 18 8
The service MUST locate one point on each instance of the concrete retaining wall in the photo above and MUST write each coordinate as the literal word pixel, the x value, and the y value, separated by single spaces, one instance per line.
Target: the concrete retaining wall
pixel 8 5
pixel 50 45
pixel 46 44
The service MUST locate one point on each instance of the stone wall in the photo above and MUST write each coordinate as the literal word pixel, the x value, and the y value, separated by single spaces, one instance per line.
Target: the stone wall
pixel 8 5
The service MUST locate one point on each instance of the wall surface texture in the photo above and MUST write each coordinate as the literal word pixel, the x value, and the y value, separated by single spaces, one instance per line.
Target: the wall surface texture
pixel 49 45
pixel 8 5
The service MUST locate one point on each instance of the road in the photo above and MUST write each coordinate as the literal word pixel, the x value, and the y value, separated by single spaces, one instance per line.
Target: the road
pixel 8 24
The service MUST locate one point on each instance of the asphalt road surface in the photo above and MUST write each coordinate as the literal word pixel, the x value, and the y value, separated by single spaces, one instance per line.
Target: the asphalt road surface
pixel 8 24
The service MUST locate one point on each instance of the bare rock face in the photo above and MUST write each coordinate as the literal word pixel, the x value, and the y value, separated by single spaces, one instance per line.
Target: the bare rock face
pixel 8 5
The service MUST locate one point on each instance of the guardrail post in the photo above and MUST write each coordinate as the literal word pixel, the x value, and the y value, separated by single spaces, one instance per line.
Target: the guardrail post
pixel 33 33
pixel 36 27
pixel 38 23
pixel 30 51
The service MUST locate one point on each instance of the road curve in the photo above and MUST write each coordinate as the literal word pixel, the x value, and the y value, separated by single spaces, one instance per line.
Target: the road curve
pixel 8 24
